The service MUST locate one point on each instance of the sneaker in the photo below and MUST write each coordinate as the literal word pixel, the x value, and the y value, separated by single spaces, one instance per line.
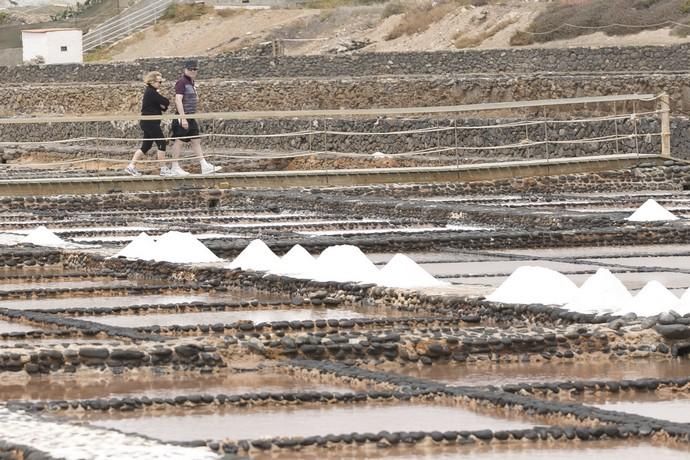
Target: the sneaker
pixel 178 171
pixel 208 168
pixel 131 170
pixel 165 171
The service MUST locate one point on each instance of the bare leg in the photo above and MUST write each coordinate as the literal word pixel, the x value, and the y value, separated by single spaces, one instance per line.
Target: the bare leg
pixel 176 149
pixel 137 157
pixel 196 148
pixel 206 167
pixel 161 158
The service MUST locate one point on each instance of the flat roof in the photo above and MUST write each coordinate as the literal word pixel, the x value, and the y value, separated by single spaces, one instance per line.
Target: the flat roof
pixel 42 31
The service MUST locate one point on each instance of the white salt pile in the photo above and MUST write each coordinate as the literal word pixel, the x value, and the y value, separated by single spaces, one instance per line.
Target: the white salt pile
pixel 256 256
pixel 529 284
pixel 600 293
pixel 142 247
pixel 174 247
pixel 297 262
pixel 684 303
pixel 653 299
pixel 345 263
pixel 41 236
pixel 403 272
pixel 651 211
pixel 179 247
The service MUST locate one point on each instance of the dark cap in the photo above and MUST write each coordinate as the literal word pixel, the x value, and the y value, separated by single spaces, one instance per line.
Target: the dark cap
pixel 191 64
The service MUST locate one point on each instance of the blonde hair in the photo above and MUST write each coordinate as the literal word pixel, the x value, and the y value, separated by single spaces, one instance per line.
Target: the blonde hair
pixel 152 76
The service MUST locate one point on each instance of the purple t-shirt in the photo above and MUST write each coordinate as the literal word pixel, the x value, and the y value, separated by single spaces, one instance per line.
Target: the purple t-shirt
pixel 185 87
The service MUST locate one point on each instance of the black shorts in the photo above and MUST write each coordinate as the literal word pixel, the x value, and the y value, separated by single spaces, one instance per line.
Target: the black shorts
pixel 186 135
pixel 152 133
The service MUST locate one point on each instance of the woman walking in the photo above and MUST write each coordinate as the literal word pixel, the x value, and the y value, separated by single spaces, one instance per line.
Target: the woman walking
pixel 153 103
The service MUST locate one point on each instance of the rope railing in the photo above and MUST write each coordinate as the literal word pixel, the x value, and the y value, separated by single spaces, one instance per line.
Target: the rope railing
pixel 630 116
pixel 318 140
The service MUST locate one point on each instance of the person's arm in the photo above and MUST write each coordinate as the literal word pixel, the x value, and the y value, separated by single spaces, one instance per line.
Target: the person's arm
pixel 179 94
pixel 162 101
pixel 180 111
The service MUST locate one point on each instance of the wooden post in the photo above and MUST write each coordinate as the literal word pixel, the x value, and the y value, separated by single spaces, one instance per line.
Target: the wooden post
pixel 665 125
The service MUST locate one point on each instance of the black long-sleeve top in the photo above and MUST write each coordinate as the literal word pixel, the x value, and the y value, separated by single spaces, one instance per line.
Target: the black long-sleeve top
pixel 153 102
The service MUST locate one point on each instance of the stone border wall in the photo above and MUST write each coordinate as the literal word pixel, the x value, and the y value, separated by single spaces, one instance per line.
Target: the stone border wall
pixel 465 140
pixel 517 60
pixel 232 94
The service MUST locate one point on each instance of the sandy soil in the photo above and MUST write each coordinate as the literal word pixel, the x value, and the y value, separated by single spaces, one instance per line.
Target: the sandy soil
pixel 312 31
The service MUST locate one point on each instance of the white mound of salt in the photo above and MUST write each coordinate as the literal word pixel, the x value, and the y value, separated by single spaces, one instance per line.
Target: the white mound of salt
pixel 297 262
pixel 528 284
pixel 600 293
pixel 403 272
pixel 142 247
pixel 256 256
pixel 41 236
pixel 345 263
pixel 653 299
pixel 179 247
pixel 651 211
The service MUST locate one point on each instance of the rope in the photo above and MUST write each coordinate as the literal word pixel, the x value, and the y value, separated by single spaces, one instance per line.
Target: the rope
pixel 606 26
pixel 341 133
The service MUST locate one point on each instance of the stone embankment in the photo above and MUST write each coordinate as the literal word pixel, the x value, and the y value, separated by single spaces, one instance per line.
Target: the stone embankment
pixel 560 60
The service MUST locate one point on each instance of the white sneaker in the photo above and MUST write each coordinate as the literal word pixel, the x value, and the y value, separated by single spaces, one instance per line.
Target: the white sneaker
pixel 208 168
pixel 176 170
pixel 166 172
pixel 131 170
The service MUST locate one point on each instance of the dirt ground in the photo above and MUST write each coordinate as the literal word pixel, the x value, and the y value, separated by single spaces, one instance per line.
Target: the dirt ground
pixel 365 28
pixel 313 31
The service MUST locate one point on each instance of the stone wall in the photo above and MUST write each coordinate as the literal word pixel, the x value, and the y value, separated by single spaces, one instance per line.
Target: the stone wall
pixel 351 93
pixel 464 141
pixel 10 56
pixel 605 59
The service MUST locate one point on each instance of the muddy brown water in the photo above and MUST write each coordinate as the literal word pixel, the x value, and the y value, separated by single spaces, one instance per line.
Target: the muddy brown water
pixel 129 300
pixel 459 269
pixel 501 374
pixel 224 317
pixel 601 450
pixel 152 385
pixel 30 285
pixel 675 410
pixel 7 326
pixel 597 251
pixel 260 422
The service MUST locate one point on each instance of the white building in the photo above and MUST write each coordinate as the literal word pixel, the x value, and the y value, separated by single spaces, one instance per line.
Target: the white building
pixel 52 46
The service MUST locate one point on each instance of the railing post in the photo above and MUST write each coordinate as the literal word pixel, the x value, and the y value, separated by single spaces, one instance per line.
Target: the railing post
pixel 665 110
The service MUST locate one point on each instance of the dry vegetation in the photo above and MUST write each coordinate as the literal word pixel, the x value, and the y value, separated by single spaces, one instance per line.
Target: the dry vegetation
pixel 470 41
pixel 588 16
pixel 420 16
pixel 180 12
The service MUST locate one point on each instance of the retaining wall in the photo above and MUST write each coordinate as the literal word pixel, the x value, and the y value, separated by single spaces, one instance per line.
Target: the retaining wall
pixel 518 60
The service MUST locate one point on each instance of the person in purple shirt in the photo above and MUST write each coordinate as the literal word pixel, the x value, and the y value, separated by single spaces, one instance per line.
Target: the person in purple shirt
pixel 186 129
pixel 153 103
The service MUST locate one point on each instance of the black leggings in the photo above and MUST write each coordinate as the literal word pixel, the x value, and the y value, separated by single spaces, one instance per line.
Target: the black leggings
pixel 152 130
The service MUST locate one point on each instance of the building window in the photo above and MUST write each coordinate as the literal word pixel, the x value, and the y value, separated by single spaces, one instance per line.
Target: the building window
pixel 63 48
